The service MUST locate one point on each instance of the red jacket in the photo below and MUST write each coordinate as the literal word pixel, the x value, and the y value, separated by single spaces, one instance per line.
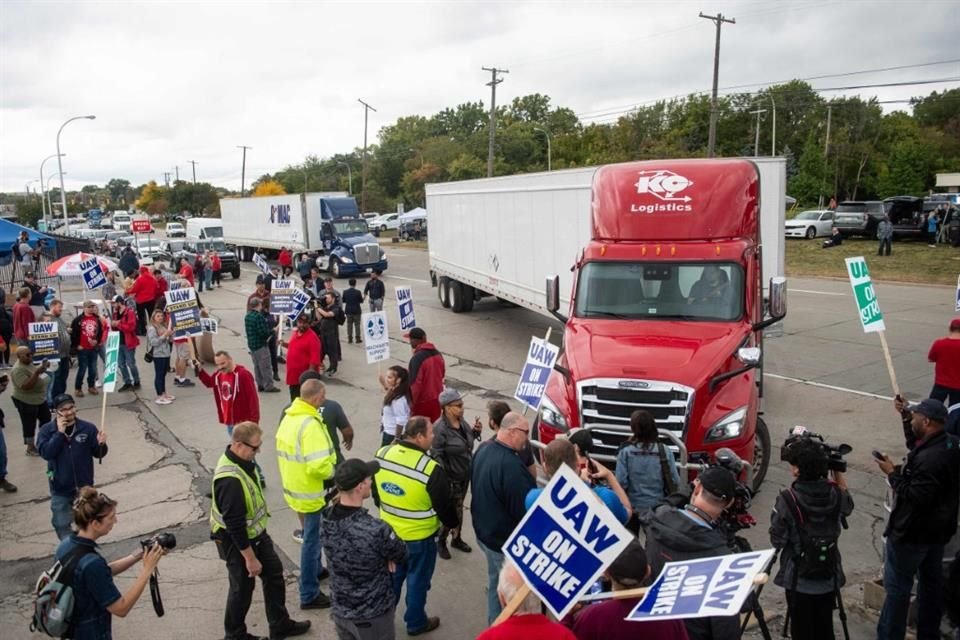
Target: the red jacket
pixel 144 289
pixel 285 259
pixel 215 262
pixel 127 325
pixel 304 352
pixel 186 272
pixel 427 371
pixel 162 286
pixel 235 394
pixel 22 317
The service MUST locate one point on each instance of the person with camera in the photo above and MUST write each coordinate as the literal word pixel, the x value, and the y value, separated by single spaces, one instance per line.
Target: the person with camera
pixel 922 520
pixel 238 525
pixel 693 531
pixel 96 597
pixel 805 527
pixel 69 446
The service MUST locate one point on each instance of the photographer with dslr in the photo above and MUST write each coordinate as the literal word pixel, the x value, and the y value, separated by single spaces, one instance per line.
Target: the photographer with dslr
pixel 923 518
pixel 694 531
pixel 804 527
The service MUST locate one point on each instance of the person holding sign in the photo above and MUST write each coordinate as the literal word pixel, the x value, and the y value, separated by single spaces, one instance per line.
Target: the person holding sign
pixel 414 497
pixel 125 321
pixel 160 338
pixel 526 623
pixel 86 335
pixel 258 338
pixel 30 395
pixel 693 531
pixel 304 353
pixel 427 371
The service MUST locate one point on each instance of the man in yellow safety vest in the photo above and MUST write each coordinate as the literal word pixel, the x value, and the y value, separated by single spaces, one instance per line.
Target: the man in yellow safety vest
pixel 238 523
pixel 306 458
pixel 414 497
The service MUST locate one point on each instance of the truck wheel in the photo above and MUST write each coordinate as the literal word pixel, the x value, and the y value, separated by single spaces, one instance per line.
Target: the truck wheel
pixel 443 291
pixel 811 233
pixel 456 296
pixel 761 453
pixel 469 293
pixel 335 268
pixel 236 273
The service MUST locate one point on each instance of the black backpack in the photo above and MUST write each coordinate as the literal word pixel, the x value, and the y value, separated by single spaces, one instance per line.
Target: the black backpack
pixel 819 555
pixel 15 248
pixel 340 316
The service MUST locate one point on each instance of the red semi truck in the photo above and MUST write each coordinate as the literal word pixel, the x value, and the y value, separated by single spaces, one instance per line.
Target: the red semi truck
pixel 670 291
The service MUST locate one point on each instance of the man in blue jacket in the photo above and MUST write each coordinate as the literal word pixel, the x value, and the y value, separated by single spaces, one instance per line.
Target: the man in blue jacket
pixel 69 446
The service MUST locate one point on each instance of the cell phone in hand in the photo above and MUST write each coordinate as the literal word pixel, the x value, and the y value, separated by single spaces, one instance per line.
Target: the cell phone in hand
pixel 879 456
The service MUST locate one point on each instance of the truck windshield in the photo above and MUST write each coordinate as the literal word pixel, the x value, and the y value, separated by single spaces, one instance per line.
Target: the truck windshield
pixel 350 227
pixel 213 232
pixel 636 290
pixel 215 245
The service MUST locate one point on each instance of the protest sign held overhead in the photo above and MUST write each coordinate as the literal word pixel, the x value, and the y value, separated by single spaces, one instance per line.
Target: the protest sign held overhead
pixel 867 305
pixel 533 378
pixel 300 301
pixel 44 341
pixel 261 263
pixel 702 588
pixel 281 297
pixel 210 325
pixel 184 312
pixel 405 308
pixel 376 339
pixel 93 275
pixel 565 541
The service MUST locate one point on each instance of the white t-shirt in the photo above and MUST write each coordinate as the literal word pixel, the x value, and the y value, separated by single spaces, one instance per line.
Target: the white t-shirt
pixel 394 416
pixel 25 255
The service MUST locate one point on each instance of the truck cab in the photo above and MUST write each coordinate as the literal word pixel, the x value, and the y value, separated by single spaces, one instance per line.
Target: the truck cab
pixel 347 244
pixel 667 313
pixel 204 229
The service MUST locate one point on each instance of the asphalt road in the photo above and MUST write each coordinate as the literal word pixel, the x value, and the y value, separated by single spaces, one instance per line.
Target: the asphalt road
pixel 823 373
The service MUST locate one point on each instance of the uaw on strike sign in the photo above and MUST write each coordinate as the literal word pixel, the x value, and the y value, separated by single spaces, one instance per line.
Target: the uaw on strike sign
pixel 565 541
pixel 866 296
pixel 533 379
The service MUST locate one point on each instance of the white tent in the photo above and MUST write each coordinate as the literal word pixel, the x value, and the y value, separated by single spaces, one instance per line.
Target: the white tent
pixel 414 214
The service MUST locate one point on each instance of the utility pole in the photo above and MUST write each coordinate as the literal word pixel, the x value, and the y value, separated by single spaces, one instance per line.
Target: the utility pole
pixel 494 81
pixel 166 179
pixel 363 172
pixel 756 140
pixel 177 169
pixel 243 168
pixel 714 114
pixel 194 164
pixel 826 156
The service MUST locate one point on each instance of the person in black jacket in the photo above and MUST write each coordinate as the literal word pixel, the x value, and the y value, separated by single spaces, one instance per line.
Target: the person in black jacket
pixel 922 520
pixel 691 532
pixel 374 291
pixel 813 506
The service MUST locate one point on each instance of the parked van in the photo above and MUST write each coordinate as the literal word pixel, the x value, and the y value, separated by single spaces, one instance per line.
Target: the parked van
pixel 204 229
pixel 122 220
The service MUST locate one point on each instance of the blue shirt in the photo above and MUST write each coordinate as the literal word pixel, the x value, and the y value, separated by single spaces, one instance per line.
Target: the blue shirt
pixel 93 591
pixel 931 223
pixel 639 473
pixel 606 495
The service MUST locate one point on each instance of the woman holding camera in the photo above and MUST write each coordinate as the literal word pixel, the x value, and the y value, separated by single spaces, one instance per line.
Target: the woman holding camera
pixel 96 597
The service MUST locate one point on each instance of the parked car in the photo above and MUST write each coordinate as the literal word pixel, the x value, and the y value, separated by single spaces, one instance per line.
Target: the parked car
pixel 228 258
pixel 859 217
pixel 385 222
pixel 146 247
pixel 810 224
pixel 415 229
pixel 176 230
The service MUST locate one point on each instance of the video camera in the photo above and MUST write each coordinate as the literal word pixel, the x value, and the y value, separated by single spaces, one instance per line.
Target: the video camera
pixel 834 454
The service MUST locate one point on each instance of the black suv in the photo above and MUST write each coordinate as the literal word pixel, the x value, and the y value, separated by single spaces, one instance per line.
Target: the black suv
pixel 859 217
pixel 228 258
pixel 906 215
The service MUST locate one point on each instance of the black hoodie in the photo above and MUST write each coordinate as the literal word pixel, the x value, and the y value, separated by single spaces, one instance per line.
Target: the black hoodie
pixel 817 499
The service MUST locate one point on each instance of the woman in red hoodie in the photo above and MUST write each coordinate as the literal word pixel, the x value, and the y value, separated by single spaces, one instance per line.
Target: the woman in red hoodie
pixel 144 292
pixel 124 320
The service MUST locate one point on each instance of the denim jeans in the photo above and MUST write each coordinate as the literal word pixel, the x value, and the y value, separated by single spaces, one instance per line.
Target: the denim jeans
pixel 62 509
pixel 86 364
pixel 494 564
pixel 160 368
pixel 208 279
pixel 3 456
pixel 902 561
pixel 127 364
pixel 417 572
pixel 310 563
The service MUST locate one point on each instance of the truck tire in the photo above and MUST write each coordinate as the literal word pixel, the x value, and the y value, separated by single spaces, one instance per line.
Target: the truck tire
pixel 469 293
pixel 456 296
pixel 443 291
pixel 761 453
pixel 811 233
pixel 335 268
pixel 236 273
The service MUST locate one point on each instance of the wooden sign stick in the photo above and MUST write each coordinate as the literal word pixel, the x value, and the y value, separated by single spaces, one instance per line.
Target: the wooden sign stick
pixel 886 356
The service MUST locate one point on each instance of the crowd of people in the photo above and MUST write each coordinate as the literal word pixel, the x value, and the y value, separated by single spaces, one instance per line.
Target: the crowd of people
pixel 429 459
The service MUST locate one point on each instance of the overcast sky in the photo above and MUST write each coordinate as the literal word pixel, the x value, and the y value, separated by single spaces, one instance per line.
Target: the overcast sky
pixel 171 82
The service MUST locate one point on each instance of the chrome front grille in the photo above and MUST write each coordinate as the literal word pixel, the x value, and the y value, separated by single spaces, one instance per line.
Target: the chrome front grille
pixel 366 253
pixel 606 405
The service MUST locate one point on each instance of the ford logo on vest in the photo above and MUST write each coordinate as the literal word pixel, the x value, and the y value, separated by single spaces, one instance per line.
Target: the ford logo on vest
pixel 392 489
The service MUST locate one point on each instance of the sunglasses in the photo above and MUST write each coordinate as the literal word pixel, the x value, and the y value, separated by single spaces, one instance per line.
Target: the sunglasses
pixel 255 448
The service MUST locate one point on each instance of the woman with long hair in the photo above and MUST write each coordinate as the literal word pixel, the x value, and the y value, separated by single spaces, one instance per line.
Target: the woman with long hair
pixel 96 597
pixel 646 469
pixel 160 337
pixel 396 404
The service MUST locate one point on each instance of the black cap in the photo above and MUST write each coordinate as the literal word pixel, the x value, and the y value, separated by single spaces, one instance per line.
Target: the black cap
pixel 61 399
pixel 309 374
pixel 931 408
pixel 352 472
pixel 417 334
pixel 630 567
pixel 719 481
pixel 118 298
pixel 260 279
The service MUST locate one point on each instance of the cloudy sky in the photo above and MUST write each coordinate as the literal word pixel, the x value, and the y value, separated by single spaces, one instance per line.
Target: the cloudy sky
pixel 171 82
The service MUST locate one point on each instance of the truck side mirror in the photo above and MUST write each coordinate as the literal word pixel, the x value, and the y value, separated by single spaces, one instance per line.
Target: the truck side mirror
pixel 553 294
pixel 778 297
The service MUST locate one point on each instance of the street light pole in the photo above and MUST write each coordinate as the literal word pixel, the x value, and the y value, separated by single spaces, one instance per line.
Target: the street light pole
pixel 773 144
pixel 45 194
pixel 349 178
pixel 549 150
pixel 63 191
pixel 756 141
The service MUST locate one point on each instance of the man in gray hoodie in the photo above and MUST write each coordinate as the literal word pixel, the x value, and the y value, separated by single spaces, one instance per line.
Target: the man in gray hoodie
pixel 885 236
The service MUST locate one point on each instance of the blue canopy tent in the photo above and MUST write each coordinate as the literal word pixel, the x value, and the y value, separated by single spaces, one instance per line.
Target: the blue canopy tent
pixel 10 231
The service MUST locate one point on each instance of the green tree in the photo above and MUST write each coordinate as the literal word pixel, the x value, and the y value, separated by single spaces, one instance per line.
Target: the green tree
pixel 118 187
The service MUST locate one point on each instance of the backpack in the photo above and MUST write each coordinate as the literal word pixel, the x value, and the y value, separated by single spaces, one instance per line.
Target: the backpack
pixel 819 554
pixel 340 316
pixel 15 248
pixel 53 603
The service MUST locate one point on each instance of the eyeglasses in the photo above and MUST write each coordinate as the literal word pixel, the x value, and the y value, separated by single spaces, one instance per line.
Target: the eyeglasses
pixel 255 448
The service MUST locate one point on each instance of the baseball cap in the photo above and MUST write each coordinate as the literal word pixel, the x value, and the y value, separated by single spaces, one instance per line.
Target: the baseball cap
pixel 449 395
pixel 61 399
pixel 118 298
pixel 28 274
pixel 352 472
pixel 719 481
pixel 416 333
pixel 260 279
pixel 309 374
pixel 955 324
pixel 931 408
pixel 630 567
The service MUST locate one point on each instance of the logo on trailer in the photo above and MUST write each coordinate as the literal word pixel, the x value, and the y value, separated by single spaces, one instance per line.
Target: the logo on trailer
pixel 664 185
pixel 279 214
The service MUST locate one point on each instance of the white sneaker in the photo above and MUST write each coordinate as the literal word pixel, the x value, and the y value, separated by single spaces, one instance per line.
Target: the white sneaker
pixel 163 401
pixel 99 384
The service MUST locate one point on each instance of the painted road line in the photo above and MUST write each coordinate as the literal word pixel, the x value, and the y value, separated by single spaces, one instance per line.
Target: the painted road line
pixel 831 387
pixel 392 277
pixel 817 293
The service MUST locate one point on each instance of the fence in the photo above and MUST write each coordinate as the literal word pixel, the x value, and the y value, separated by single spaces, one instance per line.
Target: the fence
pixel 12 270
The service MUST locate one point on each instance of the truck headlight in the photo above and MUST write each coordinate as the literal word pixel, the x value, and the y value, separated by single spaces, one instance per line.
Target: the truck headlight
pixel 550 414
pixel 345 259
pixel 729 426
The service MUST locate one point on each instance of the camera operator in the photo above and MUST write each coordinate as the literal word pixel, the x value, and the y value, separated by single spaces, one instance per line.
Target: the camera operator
pixel 693 531
pixel 922 520
pixel 805 526
pixel 96 597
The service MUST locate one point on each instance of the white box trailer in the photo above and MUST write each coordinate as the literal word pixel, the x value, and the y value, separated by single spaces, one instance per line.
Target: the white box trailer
pixel 504 236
